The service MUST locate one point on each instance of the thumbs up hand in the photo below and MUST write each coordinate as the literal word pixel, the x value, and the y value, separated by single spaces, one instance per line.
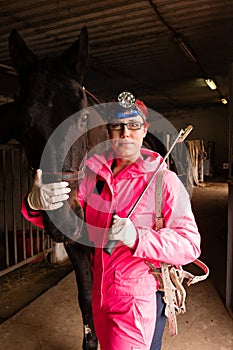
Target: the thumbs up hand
pixel 47 196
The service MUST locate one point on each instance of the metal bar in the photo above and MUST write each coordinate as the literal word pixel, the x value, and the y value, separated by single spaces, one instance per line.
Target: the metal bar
pixel 9 146
pixel 21 196
pixel 13 192
pixel 5 208
pixel 31 240
pixel 43 240
pixel 229 272
pixel 24 262
pixel 37 240
pixel 25 246
pixel 167 147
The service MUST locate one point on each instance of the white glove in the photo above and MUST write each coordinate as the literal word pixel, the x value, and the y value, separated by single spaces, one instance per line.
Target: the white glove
pixel 47 196
pixel 123 230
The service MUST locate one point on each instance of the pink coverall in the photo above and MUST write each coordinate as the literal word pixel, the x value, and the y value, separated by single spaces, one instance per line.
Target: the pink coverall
pixel 124 303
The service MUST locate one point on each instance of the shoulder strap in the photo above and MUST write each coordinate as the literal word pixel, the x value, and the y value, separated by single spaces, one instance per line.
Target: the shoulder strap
pixel 159 200
pixel 169 290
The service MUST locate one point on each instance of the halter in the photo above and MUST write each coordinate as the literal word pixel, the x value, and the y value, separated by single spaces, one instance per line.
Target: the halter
pixel 91 95
pixel 69 176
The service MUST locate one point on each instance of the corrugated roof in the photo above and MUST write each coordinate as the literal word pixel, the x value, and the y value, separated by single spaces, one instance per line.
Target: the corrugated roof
pixel 132 44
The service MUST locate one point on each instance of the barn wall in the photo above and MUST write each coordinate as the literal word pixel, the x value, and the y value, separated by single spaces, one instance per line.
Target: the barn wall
pixel 210 124
pixel 8 87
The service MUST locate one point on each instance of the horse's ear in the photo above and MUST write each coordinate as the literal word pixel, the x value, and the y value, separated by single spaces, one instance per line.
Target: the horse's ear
pixel 22 57
pixel 75 58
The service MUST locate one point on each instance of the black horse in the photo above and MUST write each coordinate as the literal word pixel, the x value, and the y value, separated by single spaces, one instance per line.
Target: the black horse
pixel 50 92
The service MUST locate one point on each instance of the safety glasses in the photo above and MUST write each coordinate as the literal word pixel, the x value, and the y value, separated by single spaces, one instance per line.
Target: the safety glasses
pixel 130 126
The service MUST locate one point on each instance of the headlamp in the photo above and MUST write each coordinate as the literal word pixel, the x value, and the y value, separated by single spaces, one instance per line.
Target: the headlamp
pixel 128 106
pixel 126 99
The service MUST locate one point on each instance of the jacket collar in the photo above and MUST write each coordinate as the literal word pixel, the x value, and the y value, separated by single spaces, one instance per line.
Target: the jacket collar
pixel 147 163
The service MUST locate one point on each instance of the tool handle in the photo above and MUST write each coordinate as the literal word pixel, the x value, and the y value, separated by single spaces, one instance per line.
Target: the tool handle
pixel 109 247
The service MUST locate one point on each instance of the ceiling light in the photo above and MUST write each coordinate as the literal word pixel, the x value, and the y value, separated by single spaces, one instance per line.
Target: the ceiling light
pixel 184 48
pixel 224 100
pixel 211 84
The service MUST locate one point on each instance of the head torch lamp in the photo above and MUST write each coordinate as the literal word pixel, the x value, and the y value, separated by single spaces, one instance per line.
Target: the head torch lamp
pixel 127 107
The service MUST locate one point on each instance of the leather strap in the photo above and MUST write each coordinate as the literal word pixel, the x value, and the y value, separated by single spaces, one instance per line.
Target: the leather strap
pixel 159 200
pixel 169 288
pixel 194 279
pixel 169 298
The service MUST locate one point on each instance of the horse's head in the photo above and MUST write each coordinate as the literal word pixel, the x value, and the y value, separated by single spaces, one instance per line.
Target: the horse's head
pixel 50 91
pixel 50 94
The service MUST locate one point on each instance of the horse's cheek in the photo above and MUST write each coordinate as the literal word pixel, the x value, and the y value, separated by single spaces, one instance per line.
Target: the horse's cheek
pixel 75 206
pixel 77 209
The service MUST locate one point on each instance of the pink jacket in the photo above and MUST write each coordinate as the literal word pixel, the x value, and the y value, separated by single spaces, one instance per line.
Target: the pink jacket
pixel 101 194
pixel 125 271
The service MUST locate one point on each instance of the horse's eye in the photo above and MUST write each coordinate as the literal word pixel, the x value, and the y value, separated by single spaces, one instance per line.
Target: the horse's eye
pixel 84 118
pixel 85 115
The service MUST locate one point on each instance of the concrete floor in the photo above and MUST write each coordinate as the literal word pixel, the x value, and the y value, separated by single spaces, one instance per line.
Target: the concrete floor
pixel 53 321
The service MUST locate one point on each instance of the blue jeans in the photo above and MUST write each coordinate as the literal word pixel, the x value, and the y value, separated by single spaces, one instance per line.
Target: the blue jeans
pixel 160 322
